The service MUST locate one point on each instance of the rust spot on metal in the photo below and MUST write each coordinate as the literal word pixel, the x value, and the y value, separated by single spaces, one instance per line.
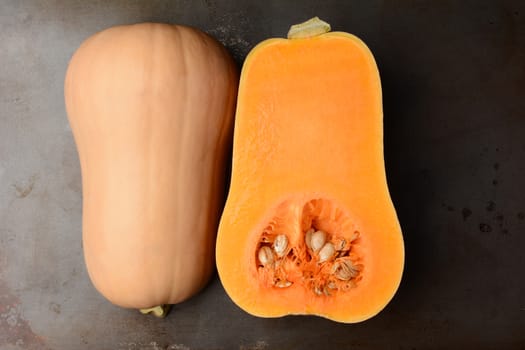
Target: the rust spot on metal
pixel 24 189
pixel 14 329
pixel 56 308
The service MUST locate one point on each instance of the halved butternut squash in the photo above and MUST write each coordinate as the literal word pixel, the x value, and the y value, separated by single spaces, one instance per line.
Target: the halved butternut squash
pixel 309 226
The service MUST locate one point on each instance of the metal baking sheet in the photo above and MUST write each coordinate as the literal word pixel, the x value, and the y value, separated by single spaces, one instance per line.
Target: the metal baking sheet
pixel 453 75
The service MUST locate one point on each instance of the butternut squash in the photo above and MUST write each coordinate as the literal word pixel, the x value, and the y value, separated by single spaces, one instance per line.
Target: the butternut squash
pixel 151 108
pixel 309 226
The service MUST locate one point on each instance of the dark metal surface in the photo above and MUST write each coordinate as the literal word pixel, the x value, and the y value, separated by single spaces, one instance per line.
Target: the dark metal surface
pixel 453 77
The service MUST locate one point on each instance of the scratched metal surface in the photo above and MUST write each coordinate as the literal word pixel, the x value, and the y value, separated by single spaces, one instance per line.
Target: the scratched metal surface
pixel 454 93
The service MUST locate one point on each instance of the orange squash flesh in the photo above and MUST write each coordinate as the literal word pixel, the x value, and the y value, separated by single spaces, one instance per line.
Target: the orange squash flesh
pixel 308 151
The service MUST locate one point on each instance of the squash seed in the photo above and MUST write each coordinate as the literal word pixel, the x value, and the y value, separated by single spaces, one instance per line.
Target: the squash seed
pixel 318 240
pixel 283 284
pixel 280 244
pixel 308 238
pixel 326 252
pixel 265 255
pixel 344 269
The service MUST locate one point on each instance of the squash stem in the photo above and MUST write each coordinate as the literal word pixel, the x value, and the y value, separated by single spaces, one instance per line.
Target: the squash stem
pixel 312 27
pixel 159 311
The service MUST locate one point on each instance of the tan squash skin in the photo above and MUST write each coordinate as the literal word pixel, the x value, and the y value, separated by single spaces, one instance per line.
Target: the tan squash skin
pixel 308 161
pixel 151 109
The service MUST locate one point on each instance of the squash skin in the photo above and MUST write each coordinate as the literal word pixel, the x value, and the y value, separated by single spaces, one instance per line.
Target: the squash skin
pixel 278 157
pixel 151 110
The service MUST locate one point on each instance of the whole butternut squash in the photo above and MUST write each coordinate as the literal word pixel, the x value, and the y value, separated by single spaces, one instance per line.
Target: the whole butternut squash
pixel 151 109
pixel 309 226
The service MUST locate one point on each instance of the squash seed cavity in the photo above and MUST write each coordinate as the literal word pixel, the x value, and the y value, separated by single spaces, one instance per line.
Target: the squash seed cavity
pixel 321 256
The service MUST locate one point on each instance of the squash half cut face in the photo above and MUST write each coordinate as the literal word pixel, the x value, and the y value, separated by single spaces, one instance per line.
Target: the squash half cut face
pixel 309 226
